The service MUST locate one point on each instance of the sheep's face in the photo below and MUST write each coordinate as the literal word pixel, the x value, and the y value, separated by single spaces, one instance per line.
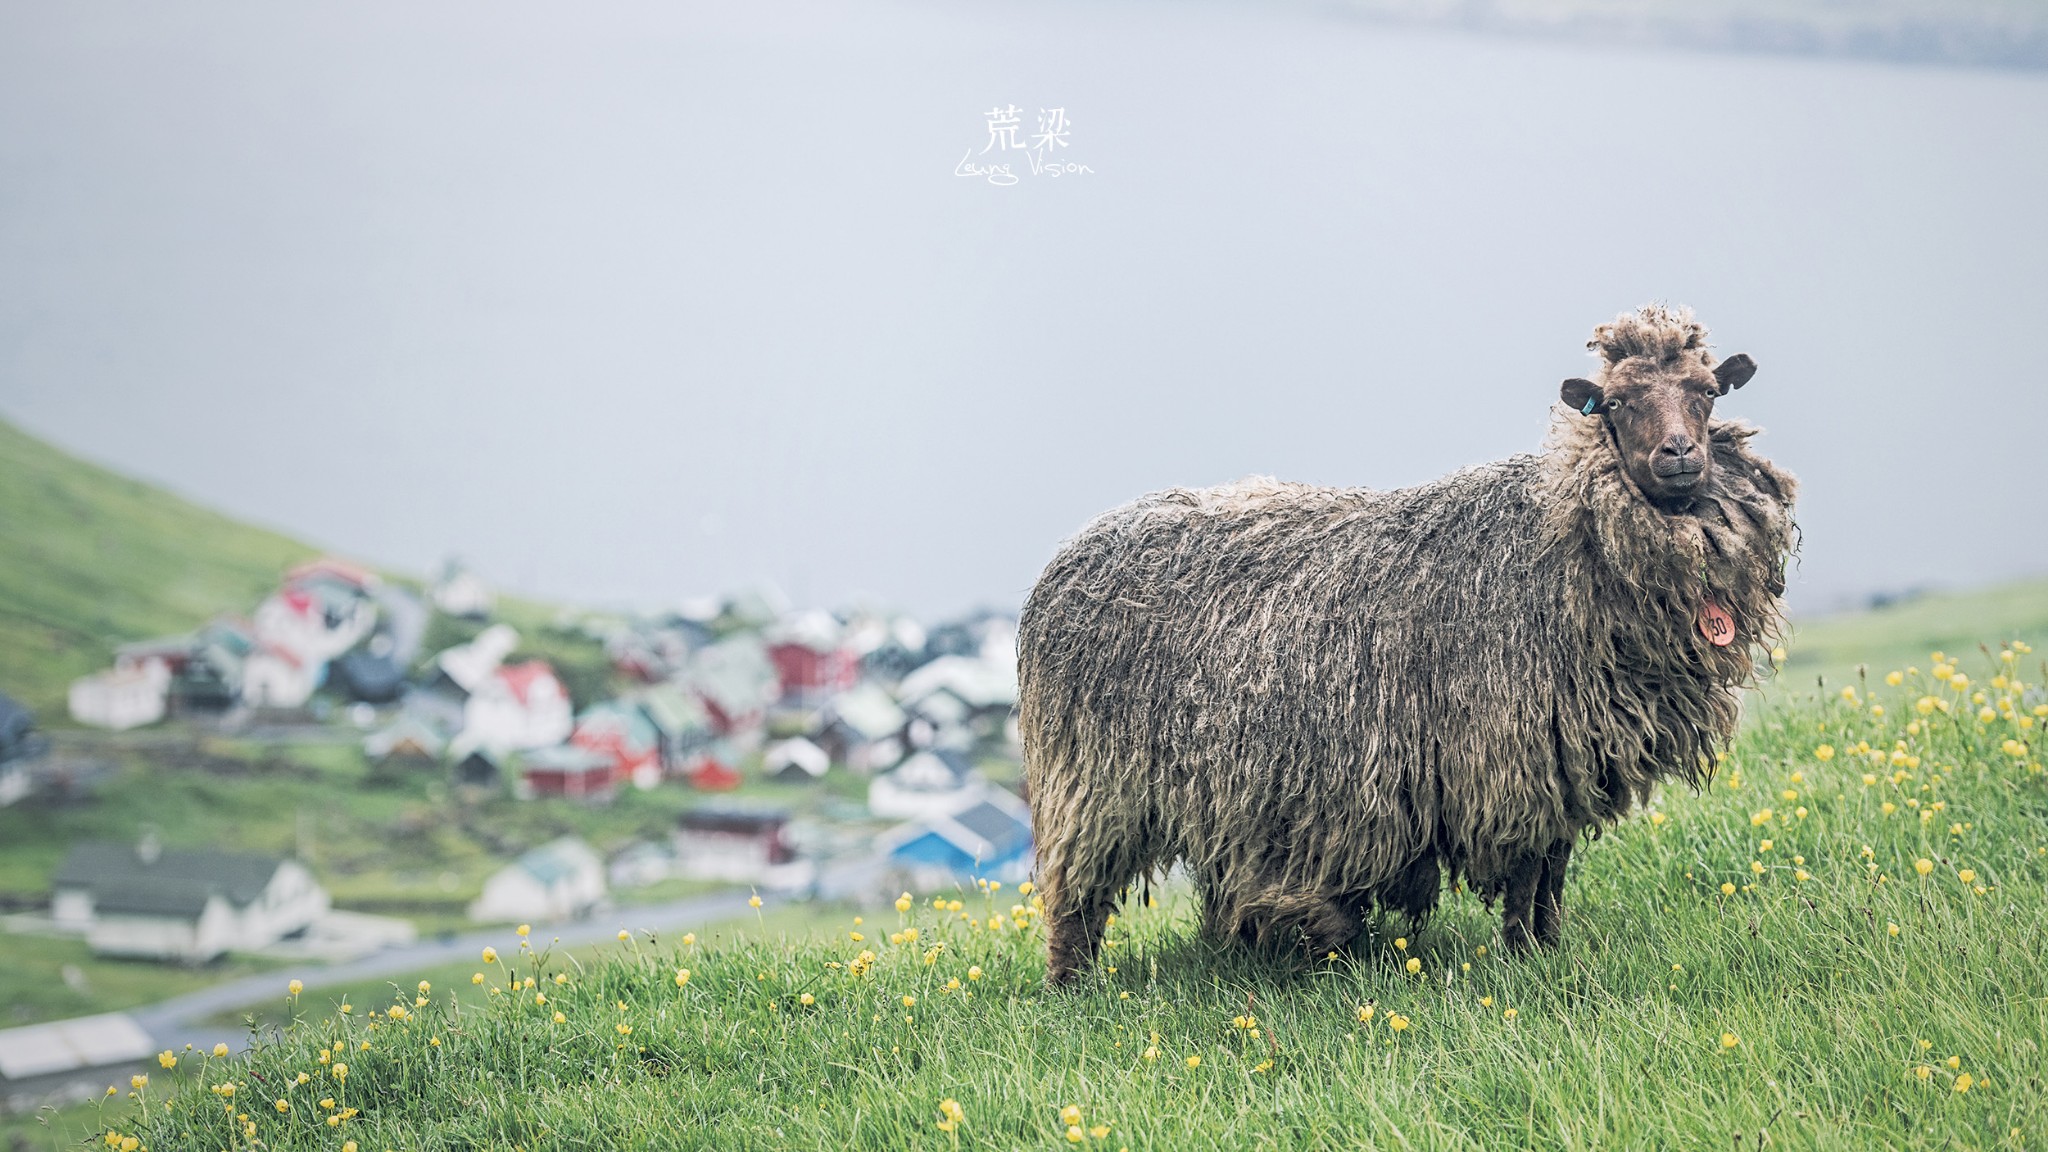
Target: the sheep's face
pixel 1658 414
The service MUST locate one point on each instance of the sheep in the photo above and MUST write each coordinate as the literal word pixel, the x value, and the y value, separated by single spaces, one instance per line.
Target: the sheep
pixel 1324 701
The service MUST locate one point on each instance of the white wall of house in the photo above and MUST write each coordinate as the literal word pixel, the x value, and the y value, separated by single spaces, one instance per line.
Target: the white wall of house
pixel 291 903
pixel 307 634
pixel 737 856
pixel 122 698
pixel 278 679
pixel 191 940
pixel 494 717
pixel 72 908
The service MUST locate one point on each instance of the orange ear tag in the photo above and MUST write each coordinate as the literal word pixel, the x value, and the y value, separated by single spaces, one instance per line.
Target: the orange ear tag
pixel 1716 625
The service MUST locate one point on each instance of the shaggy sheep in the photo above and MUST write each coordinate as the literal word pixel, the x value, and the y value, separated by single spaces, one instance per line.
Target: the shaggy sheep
pixel 1323 699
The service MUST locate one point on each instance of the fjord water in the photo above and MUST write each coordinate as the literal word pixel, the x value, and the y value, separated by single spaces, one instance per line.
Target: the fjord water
pixel 657 300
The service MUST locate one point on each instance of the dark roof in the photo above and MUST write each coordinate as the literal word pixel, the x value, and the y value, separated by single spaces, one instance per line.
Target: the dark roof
pixel 178 882
pixel 15 721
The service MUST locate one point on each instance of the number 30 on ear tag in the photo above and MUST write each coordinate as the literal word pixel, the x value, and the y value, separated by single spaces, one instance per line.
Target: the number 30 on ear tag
pixel 1716 625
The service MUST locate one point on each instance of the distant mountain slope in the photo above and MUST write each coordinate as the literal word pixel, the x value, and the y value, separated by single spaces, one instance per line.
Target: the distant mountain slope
pixel 1970 33
pixel 1901 635
pixel 90 559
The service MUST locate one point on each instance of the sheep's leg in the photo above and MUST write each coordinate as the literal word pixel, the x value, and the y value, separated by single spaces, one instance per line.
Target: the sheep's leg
pixel 1073 934
pixel 1518 904
pixel 1550 895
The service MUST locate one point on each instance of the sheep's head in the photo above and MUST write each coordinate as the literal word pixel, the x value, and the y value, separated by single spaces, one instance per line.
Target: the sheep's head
pixel 1656 390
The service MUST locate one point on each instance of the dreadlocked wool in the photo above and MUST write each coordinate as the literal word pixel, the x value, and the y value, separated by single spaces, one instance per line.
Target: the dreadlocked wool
pixel 1322 699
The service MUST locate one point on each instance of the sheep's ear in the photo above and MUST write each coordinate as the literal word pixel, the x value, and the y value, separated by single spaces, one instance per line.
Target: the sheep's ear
pixel 1734 372
pixel 1584 396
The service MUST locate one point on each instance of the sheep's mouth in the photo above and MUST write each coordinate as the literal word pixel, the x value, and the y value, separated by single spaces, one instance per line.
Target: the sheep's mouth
pixel 1678 473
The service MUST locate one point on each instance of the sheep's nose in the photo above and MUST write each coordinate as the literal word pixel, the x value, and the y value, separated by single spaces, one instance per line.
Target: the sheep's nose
pixel 1681 446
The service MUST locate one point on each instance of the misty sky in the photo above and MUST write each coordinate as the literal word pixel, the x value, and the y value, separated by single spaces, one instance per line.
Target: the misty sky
pixel 627 303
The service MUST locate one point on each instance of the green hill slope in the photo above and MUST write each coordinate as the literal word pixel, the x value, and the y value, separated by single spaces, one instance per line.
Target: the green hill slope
pixel 1901 635
pixel 90 559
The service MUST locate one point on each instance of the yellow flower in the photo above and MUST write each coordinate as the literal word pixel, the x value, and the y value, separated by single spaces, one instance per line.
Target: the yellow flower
pixel 166 1059
pixel 624 935
pixel 1802 875
pixel 1401 942
pixel 220 1050
pixel 1397 1022
pixel 490 954
pixel 1756 867
pixel 1890 808
pixel 425 987
pixel 559 1019
pixel 1967 876
pixel 1194 1061
pixel 807 999
pixel 903 902
pixel 1657 818
pixel 1964 1081
pixel 1510 1014
pixel 1729 1040
pixel 624 1029
pixel 1762 818
pixel 910 1001
pixel 974 972
pixel 1891 928
pixel 348 1146
pixel 1152 1053
pixel 682 977
pixel 753 901
pixel 478 978
pixel 1923 866
pixel 1894 679
pixel 1414 965
pixel 1071 1114
pixel 1764 847
pixel 1365 1014
pixel 1074 1134
pixel 138 1082
pixel 341 1071
pixel 284 1106
pixel 1727 889
pixel 1101 1131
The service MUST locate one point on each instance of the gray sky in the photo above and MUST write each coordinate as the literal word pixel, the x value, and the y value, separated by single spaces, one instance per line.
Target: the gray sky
pixel 630 303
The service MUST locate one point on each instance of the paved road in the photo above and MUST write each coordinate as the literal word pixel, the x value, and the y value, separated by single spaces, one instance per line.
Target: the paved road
pixel 183 1019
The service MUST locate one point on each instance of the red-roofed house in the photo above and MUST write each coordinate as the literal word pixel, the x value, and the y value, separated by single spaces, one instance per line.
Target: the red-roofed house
pixel 517 706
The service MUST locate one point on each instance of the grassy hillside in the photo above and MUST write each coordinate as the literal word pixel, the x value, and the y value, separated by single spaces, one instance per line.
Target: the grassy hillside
pixel 1901 635
pixel 90 559
pixel 1844 944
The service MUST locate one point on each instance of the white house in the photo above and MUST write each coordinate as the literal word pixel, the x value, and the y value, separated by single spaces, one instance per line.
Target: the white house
pixel 276 676
pixel 459 592
pixel 516 707
pixel 468 665
pixel 930 783
pixel 121 698
pixel 189 905
pixel 743 845
pixel 316 620
pixel 557 881
pixel 795 759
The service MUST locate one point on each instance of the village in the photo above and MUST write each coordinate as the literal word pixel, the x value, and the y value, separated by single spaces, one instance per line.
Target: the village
pixel 839 757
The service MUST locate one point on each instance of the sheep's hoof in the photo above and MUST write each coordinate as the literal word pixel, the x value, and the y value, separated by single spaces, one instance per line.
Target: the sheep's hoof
pixel 1514 935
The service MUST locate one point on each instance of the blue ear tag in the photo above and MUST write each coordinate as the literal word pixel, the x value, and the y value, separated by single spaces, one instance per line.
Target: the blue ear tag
pixel 1592 402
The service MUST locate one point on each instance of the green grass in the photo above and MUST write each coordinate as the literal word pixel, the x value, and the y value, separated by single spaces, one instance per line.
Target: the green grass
pixel 1616 1039
pixel 1900 635
pixel 33 988
pixel 91 559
